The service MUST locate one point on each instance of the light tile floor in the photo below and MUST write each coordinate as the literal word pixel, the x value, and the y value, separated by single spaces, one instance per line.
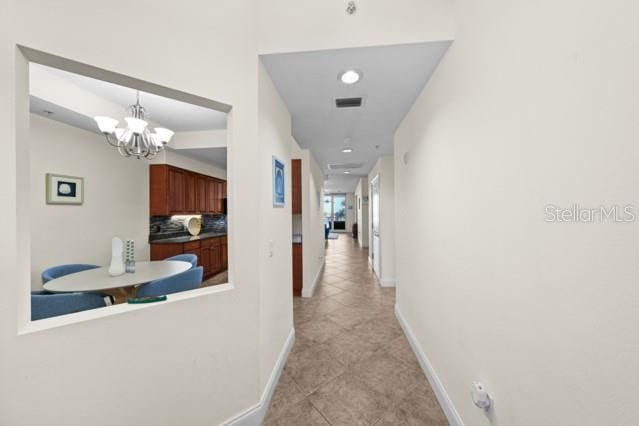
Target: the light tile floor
pixel 351 364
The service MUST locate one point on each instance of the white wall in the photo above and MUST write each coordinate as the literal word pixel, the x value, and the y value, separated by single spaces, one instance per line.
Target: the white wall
pixel 361 193
pixel 384 168
pixel 142 361
pixel 275 267
pixel 174 158
pixel 534 103
pixel 209 345
pixel 313 243
pixel 116 193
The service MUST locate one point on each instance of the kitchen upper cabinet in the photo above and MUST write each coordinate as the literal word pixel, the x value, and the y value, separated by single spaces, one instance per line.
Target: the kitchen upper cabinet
pixel 190 204
pixel 211 195
pixel 201 194
pixel 177 191
pixel 219 208
pixel 215 193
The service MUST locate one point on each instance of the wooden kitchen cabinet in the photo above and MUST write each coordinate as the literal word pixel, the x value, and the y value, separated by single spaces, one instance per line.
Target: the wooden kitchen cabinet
pixel 212 253
pixel 177 191
pixel 198 253
pixel 220 193
pixel 190 191
pixel 201 194
pixel 225 254
pixel 211 195
pixel 162 251
pixel 296 186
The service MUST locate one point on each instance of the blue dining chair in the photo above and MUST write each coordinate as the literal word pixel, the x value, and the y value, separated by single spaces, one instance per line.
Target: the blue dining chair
pixel 187 280
pixel 62 270
pixel 187 257
pixel 47 305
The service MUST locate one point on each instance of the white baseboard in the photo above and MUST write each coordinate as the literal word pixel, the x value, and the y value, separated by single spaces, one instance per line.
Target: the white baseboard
pixel 308 291
pixel 440 392
pixel 388 282
pixel 254 416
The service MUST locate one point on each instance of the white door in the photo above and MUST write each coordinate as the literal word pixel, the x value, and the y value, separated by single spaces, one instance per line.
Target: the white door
pixel 375 223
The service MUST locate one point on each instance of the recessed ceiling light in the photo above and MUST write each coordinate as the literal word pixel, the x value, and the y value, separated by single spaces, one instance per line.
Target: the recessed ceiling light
pixel 347 150
pixel 347 172
pixel 350 76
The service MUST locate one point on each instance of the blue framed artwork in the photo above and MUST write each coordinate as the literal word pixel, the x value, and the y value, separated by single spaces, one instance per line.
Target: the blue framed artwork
pixel 279 186
pixel 61 189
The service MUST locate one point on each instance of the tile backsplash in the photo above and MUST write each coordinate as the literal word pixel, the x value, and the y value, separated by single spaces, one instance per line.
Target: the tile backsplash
pixel 163 227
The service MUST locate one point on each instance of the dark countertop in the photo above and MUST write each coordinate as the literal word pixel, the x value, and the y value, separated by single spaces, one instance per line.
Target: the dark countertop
pixel 187 238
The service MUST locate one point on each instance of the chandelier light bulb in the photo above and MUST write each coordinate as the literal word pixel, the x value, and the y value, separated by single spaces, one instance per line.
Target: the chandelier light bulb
pixel 164 135
pixel 119 133
pixel 106 124
pixel 155 140
pixel 136 125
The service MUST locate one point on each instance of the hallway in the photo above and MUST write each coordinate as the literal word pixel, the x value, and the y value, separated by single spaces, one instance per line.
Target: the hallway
pixel 351 364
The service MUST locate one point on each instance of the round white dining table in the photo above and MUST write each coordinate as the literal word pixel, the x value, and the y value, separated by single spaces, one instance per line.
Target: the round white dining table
pixel 99 280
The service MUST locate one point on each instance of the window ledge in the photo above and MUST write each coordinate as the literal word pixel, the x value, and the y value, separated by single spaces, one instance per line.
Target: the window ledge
pixel 108 311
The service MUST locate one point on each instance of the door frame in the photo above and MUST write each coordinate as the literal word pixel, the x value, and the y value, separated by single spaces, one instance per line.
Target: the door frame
pixel 375 256
pixel 332 217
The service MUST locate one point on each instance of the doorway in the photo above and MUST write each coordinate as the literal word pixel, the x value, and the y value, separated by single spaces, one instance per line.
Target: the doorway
pixel 375 224
pixel 335 211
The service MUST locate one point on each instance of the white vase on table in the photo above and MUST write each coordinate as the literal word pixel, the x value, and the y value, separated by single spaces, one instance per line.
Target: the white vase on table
pixel 117 261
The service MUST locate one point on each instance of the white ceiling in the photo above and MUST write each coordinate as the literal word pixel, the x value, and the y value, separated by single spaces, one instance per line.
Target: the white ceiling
pixel 393 77
pixel 173 114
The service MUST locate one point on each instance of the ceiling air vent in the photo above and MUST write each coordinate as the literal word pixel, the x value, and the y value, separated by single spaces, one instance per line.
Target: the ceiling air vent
pixel 345 166
pixel 348 102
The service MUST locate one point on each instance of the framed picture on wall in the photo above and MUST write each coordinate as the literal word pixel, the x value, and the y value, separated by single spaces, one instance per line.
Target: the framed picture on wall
pixel 279 183
pixel 63 189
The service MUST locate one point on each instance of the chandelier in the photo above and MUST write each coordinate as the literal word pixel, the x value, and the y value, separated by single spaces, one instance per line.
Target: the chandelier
pixel 135 140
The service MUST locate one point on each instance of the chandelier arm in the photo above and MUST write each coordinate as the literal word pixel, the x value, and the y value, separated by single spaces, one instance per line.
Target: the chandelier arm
pixel 139 145
pixel 108 138
pixel 122 149
pixel 144 145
